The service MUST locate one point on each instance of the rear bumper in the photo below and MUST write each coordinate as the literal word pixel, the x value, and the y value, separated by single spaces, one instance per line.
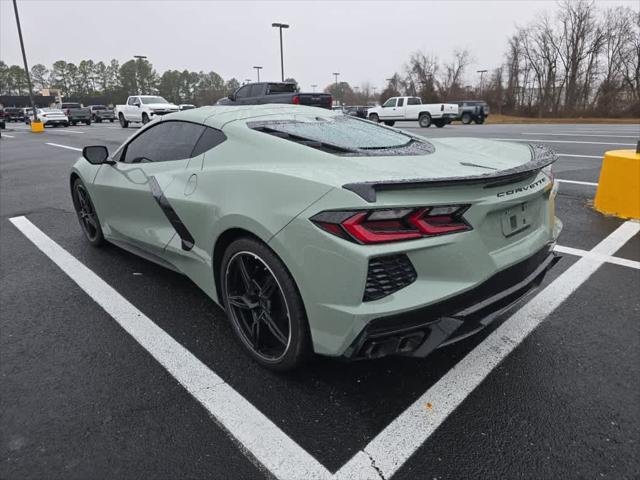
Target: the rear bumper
pixel 418 332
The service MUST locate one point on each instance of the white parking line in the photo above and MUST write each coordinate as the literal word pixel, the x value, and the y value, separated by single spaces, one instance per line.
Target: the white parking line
pixel 624 262
pixel 255 433
pixel 390 449
pixel 66 130
pixel 263 441
pixel 64 146
pixel 599 157
pixel 580 135
pixel 562 141
pixel 577 182
pixel 8 136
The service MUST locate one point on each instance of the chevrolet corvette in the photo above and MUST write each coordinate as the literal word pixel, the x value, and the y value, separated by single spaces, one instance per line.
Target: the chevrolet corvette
pixel 318 232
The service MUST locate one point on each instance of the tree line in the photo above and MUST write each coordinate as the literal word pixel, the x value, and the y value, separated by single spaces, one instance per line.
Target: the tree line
pixel 89 79
pixel 579 60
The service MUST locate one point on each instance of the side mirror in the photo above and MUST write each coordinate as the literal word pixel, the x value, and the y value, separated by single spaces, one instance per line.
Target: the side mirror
pixel 232 97
pixel 96 154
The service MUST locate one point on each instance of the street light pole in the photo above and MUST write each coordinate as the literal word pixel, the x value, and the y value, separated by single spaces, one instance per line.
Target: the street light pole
pixel 139 59
pixel 280 26
pixel 336 75
pixel 258 68
pixel 26 66
pixel 481 72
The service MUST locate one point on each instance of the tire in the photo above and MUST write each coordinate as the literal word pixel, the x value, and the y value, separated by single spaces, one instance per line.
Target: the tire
pixel 88 122
pixel 111 120
pixel 424 120
pixel 389 123
pixel 440 123
pixel 479 120
pixel 374 118
pixel 87 215
pixel 123 123
pixel 66 124
pixel 466 118
pixel 145 118
pixel 73 122
pixel 261 264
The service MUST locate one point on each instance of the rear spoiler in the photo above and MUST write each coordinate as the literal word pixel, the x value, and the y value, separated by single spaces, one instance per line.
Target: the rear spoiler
pixel 541 156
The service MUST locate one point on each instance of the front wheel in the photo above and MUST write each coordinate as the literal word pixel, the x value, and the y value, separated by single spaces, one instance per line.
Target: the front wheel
pixel 111 120
pixel 123 122
pixel 87 215
pixel 264 306
pixel 479 120
pixel 424 120
pixel 466 118
pixel 145 118
pixel 374 118
pixel 88 122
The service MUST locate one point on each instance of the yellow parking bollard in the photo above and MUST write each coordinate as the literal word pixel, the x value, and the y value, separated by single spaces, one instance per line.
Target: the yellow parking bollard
pixel 37 127
pixel 618 190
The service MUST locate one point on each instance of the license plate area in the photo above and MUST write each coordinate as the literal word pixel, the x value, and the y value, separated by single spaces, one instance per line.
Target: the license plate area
pixel 515 219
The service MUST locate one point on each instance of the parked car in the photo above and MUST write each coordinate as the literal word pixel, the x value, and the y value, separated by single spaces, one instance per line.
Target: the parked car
pixel 143 109
pixel 75 112
pixel 472 111
pixel 357 111
pixel 403 109
pixel 49 116
pixel 100 113
pixel 276 92
pixel 13 114
pixel 320 232
pixel 3 122
pixel 186 106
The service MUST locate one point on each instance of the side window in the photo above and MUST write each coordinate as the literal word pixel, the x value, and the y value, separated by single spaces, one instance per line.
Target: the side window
pixel 401 102
pixel 244 92
pixel 210 138
pixel 164 142
pixel 256 90
pixel 131 101
pixel 389 103
pixel 413 101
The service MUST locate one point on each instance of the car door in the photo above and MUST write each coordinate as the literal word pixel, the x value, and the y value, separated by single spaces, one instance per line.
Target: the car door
pixel 134 109
pixel 400 108
pixel 243 94
pixel 388 108
pixel 130 193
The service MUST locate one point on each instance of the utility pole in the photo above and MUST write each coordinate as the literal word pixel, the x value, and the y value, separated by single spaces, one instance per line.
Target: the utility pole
pixel 26 66
pixel 481 72
pixel 139 59
pixel 258 71
pixel 336 75
pixel 281 26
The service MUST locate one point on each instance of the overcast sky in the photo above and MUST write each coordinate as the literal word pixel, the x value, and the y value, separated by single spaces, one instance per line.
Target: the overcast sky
pixel 365 40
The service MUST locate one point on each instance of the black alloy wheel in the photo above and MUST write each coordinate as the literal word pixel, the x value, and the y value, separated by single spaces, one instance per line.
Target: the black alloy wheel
pixel 86 213
pixel 263 305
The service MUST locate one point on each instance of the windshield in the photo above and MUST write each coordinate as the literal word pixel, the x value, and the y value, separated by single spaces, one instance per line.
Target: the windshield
pixel 71 105
pixel 344 133
pixel 99 107
pixel 148 100
pixel 282 88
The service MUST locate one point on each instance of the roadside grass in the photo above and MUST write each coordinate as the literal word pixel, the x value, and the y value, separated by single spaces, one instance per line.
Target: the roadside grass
pixel 497 119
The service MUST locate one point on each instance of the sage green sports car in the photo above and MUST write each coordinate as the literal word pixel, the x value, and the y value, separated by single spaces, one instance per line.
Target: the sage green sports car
pixel 320 232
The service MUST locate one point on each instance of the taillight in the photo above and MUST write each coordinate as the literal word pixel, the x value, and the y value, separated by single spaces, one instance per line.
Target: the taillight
pixel 442 107
pixel 393 225
pixel 296 100
pixel 330 102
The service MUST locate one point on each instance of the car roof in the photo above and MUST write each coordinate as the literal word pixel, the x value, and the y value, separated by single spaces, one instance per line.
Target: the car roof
pixel 219 115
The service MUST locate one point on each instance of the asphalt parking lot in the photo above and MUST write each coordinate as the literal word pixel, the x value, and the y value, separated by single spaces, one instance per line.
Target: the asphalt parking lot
pixel 549 391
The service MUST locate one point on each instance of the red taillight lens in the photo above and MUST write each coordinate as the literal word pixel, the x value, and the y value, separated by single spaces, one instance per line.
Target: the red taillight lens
pixel 296 100
pixel 393 225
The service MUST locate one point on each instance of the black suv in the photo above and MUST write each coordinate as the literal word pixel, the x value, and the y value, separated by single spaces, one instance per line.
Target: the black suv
pixel 472 111
pixel 13 114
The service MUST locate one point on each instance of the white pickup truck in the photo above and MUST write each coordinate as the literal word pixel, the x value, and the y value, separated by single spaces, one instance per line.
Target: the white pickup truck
pixel 411 109
pixel 143 109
